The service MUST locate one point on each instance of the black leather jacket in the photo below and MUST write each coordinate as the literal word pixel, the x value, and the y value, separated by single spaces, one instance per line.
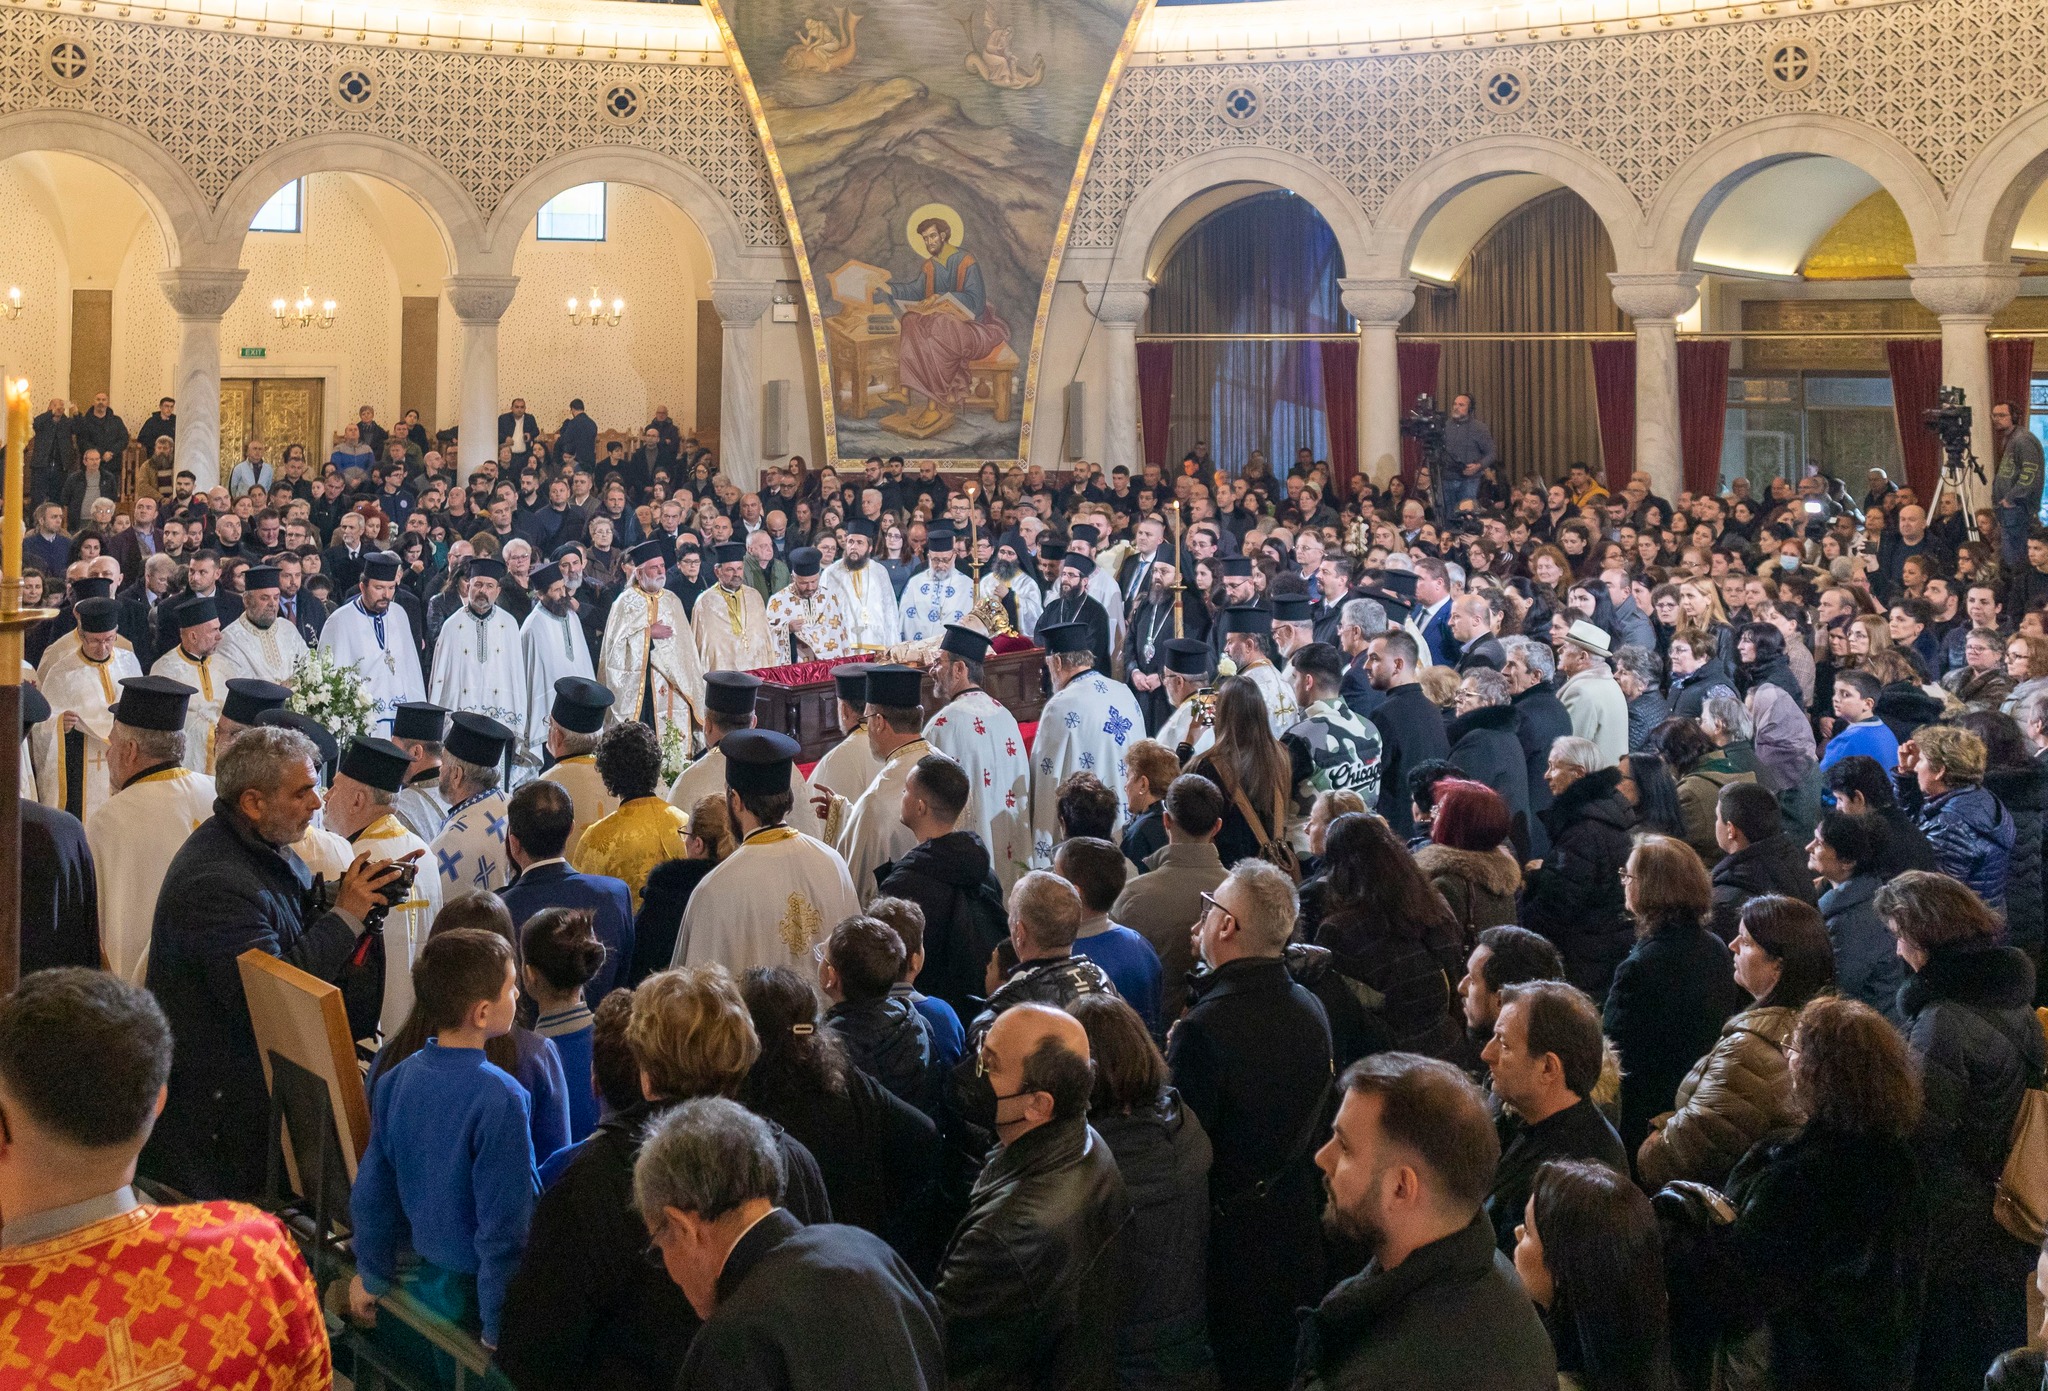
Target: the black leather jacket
pixel 1027 1286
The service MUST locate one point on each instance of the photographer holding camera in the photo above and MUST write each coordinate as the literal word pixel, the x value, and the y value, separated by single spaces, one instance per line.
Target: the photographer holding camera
pixel 1468 453
pixel 2016 487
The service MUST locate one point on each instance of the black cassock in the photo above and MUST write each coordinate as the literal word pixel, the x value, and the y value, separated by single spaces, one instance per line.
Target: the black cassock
pixel 60 897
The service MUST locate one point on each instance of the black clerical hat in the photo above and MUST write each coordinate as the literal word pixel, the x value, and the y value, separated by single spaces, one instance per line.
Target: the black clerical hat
pixel 95 615
pixel 730 692
pixel 261 577
pixel 1065 637
pixel 654 548
pixel 1051 548
pixel 852 682
pixel 377 763
pixel 92 587
pixel 381 566
pixel 894 686
pixel 543 579
pixel 729 553
pixel 963 641
pixel 1399 583
pixel 1234 567
pixel 195 611
pixel 805 560
pixel 476 739
pixel 1082 531
pixel 419 719
pixel 1255 619
pixel 35 708
pixel 758 760
pixel 153 702
pixel 939 539
pixel 1082 565
pixel 323 740
pixel 580 705
pixel 861 526
pixel 1292 608
pixel 487 567
pixel 1187 657
pixel 248 698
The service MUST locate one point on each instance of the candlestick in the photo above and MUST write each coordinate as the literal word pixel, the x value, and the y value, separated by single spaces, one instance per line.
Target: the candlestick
pixel 12 528
pixel 1179 556
pixel 973 541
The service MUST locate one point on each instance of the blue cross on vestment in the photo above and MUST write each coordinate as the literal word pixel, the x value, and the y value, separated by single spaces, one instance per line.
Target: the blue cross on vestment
pixel 495 826
pixel 450 860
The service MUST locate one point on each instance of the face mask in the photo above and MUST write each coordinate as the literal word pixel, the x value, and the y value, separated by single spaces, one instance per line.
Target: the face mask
pixel 1788 562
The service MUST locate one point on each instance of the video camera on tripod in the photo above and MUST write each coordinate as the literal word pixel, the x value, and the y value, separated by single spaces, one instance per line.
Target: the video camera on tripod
pixel 1950 421
pixel 1424 424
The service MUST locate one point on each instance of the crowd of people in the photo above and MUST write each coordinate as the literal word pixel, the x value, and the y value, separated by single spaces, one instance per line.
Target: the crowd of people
pixel 1514 935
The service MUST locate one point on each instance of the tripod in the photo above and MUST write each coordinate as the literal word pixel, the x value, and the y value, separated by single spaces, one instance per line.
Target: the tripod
pixel 1956 456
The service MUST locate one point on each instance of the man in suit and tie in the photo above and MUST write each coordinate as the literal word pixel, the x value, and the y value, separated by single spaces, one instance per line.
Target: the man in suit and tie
pixel 1149 549
pixel 537 829
pixel 295 605
pixel 1433 609
pixel 518 429
pixel 1361 621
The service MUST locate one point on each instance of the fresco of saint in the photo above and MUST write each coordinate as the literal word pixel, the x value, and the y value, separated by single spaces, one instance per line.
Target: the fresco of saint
pixel 947 322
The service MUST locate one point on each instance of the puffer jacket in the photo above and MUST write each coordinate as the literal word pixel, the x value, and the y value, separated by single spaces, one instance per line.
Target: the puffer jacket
pixel 1163 1154
pixel 1733 1097
pixel 1698 792
pixel 1867 965
pixel 888 1040
pixel 2024 793
pixel 1479 885
pixel 1575 897
pixel 1972 834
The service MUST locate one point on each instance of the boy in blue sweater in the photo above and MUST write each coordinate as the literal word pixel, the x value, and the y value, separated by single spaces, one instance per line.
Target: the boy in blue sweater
pixel 448 1174
pixel 1858 729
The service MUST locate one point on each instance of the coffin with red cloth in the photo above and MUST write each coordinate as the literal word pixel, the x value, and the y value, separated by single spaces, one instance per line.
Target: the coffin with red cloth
pixel 800 700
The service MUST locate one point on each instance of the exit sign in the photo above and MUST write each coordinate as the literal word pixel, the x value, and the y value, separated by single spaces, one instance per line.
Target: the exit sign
pixel 254 352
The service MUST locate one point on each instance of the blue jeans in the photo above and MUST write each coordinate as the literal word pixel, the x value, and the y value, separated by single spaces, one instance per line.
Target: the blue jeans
pixel 1458 488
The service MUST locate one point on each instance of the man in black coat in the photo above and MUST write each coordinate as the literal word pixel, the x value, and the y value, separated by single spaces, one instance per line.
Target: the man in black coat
pixel 235 886
pixel 60 899
pixel 1762 858
pixel 1540 720
pixel 784 1305
pixel 99 428
pixel 1411 727
pixel 1252 1059
pixel 1575 898
pixel 952 880
pixel 1486 748
pixel 1072 603
pixel 577 439
pixel 49 453
pixel 1028 1286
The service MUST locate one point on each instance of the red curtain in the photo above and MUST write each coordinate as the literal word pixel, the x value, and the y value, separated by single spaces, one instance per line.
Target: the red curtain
pixel 1916 387
pixel 1702 410
pixel 1417 363
pixel 1614 397
pixel 1340 405
pixel 1155 398
pixel 2012 376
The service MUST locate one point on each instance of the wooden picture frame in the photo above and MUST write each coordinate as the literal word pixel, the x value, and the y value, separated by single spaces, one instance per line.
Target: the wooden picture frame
pixel 301 1017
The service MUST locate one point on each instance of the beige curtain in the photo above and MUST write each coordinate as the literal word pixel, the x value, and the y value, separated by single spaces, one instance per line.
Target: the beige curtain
pixel 1542 269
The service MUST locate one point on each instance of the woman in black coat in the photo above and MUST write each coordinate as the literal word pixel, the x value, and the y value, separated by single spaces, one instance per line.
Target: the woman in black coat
pixel 1163 1154
pixel 1574 897
pixel 1970 1023
pixel 1675 989
pixel 1828 1247
pixel 2021 784
pixel 878 1154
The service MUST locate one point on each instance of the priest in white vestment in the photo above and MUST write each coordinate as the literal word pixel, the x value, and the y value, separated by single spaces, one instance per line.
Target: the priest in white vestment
pixel 71 746
pixel 1084 728
pixel 805 622
pixel 359 810
pixel 1183 676
pixel 937 595
pixel 479 664
pixel 1247 641
pixel 871 829
pixel 1005 580
pixel 470 853
pixel 417 727
pixel 850 763
pixel 866 595
pixel 781 892
pixel 375 636
pixel 196 662
pixel 731 618
pixel 649 655
pixel 555 649
pixel 983 738
pixel 575 720
pixel 260 643
pixel 729 698
pixel 137 831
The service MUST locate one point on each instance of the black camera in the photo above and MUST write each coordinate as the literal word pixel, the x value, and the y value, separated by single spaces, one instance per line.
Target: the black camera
pixel 396 890
pixel 1950 421
pixel 1424 423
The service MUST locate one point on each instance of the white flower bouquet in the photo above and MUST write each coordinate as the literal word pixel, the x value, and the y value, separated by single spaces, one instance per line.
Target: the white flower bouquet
pixel 675 752
pixel 335 695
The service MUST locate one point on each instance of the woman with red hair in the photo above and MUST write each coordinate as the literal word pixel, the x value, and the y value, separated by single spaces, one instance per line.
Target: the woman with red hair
pixel 1468 858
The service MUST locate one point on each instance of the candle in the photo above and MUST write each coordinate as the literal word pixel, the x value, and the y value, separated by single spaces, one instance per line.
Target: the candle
pixel 12 498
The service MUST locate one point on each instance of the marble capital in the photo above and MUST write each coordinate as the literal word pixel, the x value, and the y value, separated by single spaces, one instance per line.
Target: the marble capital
pixel 1655 296
pixel 741 303
pixel 1977 290
pixel 202 292
pixel 1120 304
pixel 1382 302
pixel 481 298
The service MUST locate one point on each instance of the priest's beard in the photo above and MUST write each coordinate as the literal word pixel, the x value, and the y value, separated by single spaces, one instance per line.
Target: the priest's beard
pixel 480 611
pixel 856 562
pixel 558 607
pixel 1005 570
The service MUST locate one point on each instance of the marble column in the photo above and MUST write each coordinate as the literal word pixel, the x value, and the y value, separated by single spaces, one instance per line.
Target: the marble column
pixel 199 296
pixel 1966 297
pixel 479 301
pixel 1654 301
pixel 740 305
pixel 1119 307
pixel 1379 306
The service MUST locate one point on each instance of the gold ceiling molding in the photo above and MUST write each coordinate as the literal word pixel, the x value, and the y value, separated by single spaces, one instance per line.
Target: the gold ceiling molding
pixel 1871 242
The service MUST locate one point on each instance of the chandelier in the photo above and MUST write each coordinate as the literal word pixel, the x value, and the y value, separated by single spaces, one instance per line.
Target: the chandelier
pixel 594 311
pixel 10 308
pixel 305 312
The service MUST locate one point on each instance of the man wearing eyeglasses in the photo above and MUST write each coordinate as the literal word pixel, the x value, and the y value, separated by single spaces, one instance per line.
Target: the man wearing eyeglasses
pixel 1252 1059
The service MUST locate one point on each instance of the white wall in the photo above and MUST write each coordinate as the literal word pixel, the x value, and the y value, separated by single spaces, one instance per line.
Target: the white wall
pixel 38 344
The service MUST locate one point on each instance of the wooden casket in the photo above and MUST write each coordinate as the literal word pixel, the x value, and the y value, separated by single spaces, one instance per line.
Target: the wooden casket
pixel 804 704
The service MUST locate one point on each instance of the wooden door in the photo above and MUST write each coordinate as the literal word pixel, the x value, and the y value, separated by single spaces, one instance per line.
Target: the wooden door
pixel 277 410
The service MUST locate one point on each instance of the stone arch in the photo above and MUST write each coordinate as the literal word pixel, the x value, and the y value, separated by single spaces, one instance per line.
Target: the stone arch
pixel 1680 211
pixel 1997 185
pixel 171 194
pixel 1149 211
pixel 1434 183
pixel 446 203
pixel 658 173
